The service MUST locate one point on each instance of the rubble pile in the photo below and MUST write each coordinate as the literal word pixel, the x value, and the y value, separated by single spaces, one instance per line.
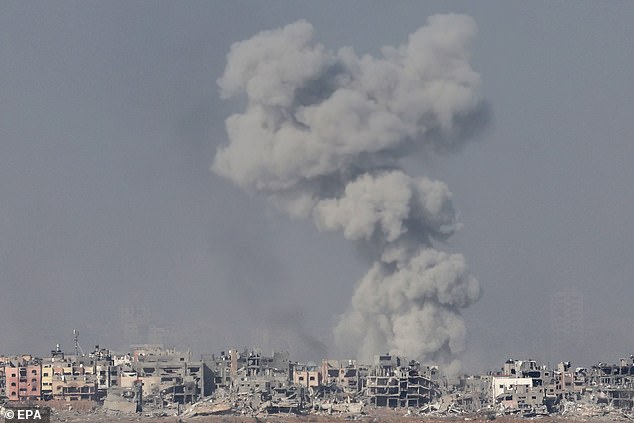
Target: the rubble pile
pixel 153 382
pixel 585 411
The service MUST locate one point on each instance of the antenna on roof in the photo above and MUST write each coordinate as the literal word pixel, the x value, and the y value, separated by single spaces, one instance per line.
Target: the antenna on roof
pixel 77 346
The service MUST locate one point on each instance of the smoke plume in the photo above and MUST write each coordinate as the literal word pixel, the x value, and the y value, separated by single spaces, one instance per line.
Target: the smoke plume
pixel 323 135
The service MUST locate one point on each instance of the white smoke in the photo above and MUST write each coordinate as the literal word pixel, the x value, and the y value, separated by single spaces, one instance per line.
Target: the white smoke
pixel 322 135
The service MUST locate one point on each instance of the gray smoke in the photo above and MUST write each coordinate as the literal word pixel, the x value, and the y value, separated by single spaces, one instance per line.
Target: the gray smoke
pixel 322 136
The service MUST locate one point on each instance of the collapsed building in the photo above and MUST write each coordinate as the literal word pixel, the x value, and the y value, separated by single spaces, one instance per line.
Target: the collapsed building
pixel 392 383
pixel 247 371
pixel 258 381
pixel 472 392
pixel 152 377
pixel 523 385
pixel 613 384
pixel 526 387
pixel 124 400
pixel 167 376
pixel 347 375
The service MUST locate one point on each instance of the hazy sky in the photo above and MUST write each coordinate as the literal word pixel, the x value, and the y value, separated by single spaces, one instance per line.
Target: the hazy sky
pixel 110 117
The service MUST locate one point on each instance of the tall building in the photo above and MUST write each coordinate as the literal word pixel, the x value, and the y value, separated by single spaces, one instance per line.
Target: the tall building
pixel 135 321
pixel 567 326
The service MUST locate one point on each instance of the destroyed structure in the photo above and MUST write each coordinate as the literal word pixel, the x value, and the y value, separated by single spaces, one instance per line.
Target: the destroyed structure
pixel 613 383
pixel 158 379
pixel 395 384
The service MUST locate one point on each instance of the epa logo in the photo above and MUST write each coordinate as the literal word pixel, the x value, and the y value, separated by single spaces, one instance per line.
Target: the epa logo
pixel 27 415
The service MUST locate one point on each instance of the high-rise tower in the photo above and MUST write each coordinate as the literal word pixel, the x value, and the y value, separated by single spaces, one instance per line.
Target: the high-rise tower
pixel 567 326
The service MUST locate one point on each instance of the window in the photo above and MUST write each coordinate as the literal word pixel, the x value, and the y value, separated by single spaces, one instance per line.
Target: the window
pixel 301 378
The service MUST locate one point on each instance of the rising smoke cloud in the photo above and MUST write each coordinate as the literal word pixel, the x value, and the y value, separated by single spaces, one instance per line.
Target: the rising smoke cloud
pixel 323 135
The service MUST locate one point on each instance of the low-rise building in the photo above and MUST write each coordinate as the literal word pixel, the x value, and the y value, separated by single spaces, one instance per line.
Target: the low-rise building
pixel 306 375
pixel 23 380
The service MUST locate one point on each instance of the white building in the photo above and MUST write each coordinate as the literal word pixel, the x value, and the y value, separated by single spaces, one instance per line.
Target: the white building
pixel 504 384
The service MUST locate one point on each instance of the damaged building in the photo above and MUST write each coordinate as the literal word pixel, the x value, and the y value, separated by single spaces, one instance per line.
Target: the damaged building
pixel 521 386
pixel 613 384
pixel 167 376
pixel 307 375
pixel 152 377
pixel 394 382
pixel 248 370
pixel 473 392
pixel 124 400
pixel 347 375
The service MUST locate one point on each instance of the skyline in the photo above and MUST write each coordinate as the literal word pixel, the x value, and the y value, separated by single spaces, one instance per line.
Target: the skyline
pixel 111 117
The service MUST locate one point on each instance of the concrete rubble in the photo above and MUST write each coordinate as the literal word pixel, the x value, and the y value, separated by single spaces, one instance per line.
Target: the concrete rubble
pixel 153 381
pixel 521 389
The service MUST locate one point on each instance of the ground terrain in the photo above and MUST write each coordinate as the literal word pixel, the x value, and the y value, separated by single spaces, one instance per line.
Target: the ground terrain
pixel 374 417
